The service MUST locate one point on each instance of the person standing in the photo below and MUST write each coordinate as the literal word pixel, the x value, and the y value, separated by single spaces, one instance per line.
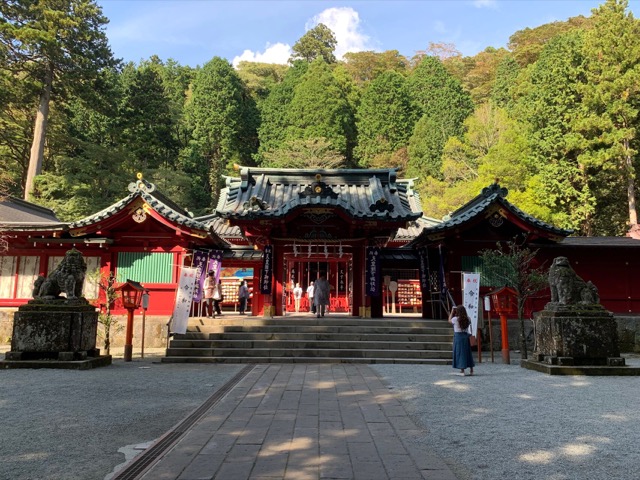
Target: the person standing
pixel 321 296
pixel 297 296
pixel 462 356
pixel 218 297
pixel 209 287
pixel 243 297
pixel 312 305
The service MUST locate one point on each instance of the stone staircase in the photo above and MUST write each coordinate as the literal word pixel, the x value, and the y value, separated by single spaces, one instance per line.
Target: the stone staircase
pixel 307 339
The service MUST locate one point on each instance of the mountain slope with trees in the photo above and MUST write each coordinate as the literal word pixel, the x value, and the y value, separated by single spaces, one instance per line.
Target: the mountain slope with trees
pixel 553 117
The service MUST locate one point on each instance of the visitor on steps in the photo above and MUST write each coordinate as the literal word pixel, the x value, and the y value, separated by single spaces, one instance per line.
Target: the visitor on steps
pixel 321 296
pixel 243 297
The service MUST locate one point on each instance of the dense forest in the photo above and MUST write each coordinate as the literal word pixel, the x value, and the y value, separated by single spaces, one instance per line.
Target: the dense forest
pixel 554 116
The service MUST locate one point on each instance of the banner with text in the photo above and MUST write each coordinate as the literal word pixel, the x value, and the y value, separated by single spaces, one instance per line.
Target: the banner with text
pixel 471 297
pixel 423 263
pixel 373 272
pixel 267 270
pixel 184 295
pixel 215 263
pixel 200 264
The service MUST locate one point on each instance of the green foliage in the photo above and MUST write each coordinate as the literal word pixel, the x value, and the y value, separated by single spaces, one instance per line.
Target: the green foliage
pixel 479 73
pixel 146 120
pixel 319 109
pixel 305 153
pixel 224 120
pixel 491 149
pixel 59 46
pixel 443 106
pixel 527 44
pixel 84 184
pixel 385 118
pixel 550 102
pixel 505 81
pixel 109 324
pixel 425 148
pixel 364 67
pixel 274 108
pixel 260 78
pixel 513 264
pixel 319 42
pixel 611 97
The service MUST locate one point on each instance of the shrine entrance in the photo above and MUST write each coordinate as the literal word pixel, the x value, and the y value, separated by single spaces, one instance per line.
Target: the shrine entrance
pixel 337 270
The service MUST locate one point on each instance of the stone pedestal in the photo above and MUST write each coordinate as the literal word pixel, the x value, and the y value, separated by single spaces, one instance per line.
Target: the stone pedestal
pixel 577 340
pixel 60 331
pixel 570 335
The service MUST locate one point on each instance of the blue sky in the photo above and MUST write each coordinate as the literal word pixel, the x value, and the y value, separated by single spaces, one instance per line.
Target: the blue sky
pixel 194 31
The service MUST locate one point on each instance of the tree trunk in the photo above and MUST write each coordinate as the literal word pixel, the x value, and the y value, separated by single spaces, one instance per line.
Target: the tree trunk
pixel 39 134
pixel 631 189
pixel 523 334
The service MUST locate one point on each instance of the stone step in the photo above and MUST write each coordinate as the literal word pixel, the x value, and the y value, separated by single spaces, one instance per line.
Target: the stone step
pixel 185 342
pixel 208 345
pixel 321 329
pixel 311 320
pixel 308 352
pixel 333 338
pixel 239 359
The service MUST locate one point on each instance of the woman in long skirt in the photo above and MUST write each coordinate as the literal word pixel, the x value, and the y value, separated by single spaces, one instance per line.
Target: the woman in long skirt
pixel 462 357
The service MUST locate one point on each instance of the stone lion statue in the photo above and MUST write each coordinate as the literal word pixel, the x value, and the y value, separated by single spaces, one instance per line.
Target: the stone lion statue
pixel 567 288
pixel 68 278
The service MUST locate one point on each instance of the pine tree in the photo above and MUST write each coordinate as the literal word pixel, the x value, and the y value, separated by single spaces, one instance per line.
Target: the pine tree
pixel 385 118
pixel 58 43
pixel 319 109
pixel 443 106
pixel 223 117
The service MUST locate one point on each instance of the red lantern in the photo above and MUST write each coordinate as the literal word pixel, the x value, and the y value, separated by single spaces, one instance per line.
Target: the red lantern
pixel 504 303
pixel 131 297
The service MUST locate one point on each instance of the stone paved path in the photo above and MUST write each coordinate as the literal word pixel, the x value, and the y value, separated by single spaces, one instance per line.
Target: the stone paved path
pixel 301 421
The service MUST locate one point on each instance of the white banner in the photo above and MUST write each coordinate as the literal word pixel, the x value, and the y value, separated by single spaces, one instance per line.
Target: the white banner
pixel 471 297
pixel 184 295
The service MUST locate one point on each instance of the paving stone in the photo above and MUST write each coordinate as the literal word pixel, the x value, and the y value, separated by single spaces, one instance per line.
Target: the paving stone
pixel 301 421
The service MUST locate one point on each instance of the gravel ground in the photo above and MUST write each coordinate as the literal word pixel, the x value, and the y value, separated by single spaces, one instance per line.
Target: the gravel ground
pixel 507 422
pixel 67 424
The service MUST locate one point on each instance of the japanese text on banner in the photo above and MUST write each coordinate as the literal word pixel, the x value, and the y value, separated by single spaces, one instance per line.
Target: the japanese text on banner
pixel 471 297
pixel 373 272
pixel 184 295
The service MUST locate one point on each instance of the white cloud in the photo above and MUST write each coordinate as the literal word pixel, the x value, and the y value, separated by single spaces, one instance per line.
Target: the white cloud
pixel 485 4
pixel 344 22
pixel 276 53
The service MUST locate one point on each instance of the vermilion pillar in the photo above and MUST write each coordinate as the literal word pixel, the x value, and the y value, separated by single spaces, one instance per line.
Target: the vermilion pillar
pixel 504 333
pixel 358 280
pixel 278 276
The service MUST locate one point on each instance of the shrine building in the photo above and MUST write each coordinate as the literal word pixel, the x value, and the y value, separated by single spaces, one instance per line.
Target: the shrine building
pixel 362 229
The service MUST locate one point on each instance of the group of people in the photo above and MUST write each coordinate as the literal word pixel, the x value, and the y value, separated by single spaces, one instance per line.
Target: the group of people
pixel 318 294
pixel 213 296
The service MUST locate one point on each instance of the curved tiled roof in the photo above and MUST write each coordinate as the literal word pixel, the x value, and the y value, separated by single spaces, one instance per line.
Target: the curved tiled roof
pixel 362 194
pixel 493 194
pixel 415 228
pixel 220 226
pixel 156 200
pixel 18 214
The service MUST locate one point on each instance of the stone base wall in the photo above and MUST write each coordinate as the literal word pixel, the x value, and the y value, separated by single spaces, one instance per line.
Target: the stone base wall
pixel 513 327
pixel 156 332
pixel 628 333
